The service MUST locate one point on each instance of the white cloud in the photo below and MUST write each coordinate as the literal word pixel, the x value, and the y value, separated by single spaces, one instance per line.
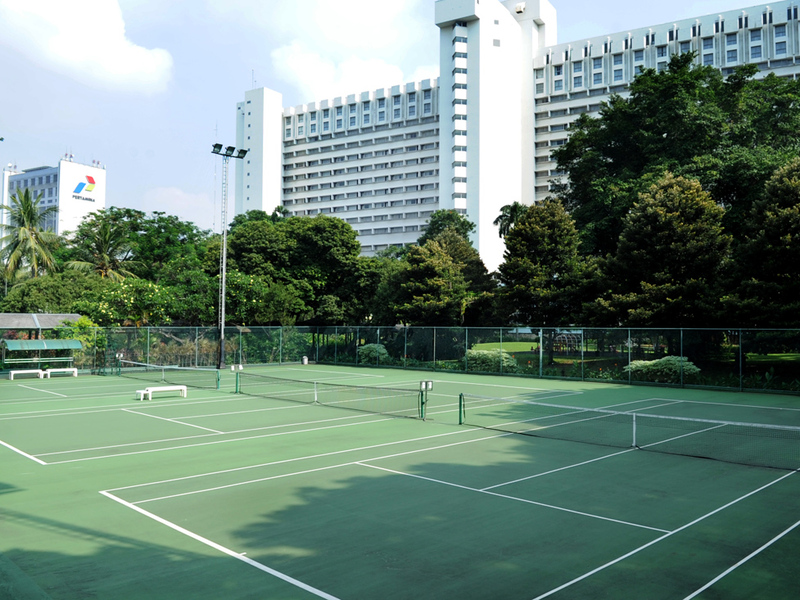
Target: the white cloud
pixel 85 40
pixel 197 208
pixel 326 48
pixel 318 77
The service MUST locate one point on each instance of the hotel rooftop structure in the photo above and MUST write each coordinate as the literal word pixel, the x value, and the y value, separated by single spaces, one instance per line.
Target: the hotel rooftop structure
pixel 480 136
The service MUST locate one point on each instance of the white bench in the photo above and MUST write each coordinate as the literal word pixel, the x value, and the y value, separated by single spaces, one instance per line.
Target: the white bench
pixel 38 372
pixel 162 388
pixel 71 370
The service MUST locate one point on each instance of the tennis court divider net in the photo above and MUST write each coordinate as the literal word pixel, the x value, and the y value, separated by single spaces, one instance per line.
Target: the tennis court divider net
pixel 190 376
pixel 754 444
pixel 380 400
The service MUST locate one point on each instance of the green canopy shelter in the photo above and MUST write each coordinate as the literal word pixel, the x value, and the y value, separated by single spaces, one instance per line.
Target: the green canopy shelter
pixel 38 352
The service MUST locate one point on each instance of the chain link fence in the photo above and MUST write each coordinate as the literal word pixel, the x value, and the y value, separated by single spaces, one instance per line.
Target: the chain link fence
pixel 737 359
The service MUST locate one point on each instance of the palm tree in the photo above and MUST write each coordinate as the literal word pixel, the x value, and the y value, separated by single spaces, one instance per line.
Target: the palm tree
pixel 106 250
pixel 25 242
pixel 509 215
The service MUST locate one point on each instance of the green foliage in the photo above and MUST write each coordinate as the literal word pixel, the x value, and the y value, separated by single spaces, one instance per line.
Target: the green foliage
pixel 729 134
pixel 491 361
pixel 373 354
pixel 663 370
pixel 669 257
pixel 104 248
pixel 317 257
pixel 93 339
pixel 56 293
pixel 432 289
pixel 509 215
pixel 542 269
pixel 27 246
pixel 444 219
pixel 132 302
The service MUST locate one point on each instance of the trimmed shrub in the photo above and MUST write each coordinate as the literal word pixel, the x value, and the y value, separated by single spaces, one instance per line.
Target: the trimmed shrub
pixel 663 370
pixel 490 361
pixel 373 354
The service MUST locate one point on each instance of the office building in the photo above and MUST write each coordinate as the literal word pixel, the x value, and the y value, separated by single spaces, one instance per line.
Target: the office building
pixel 74 188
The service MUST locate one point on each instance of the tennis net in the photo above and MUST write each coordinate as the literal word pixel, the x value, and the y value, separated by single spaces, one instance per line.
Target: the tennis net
pixel 380 400
pixel 190 376
pixel 752 444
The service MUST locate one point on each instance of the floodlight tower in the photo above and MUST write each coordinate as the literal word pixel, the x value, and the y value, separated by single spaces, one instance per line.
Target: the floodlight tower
pixel 223 255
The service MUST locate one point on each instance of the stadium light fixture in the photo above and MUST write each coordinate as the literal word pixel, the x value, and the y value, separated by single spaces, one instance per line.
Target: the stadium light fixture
pixel 230 151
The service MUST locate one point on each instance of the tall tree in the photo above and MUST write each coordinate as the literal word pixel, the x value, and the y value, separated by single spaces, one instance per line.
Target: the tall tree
pixel 768 275
pixel 728 134
pixel 27 245
pixel 443 219
pixel 105 250
pixel 669 260
pixel 431 290
pixel 542 270
pixel 509 215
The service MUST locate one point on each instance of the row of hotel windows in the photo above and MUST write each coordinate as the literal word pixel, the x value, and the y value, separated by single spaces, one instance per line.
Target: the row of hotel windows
pixel 368 155
pixel 362 194
pixel 731 56
pixel 672 34
pixel 352 114
pixel 371 206
pixel 360 143
pixel 367 180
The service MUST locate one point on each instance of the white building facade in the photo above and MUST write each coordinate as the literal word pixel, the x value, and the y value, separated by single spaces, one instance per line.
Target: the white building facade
pixel 75 189
pixel 481 136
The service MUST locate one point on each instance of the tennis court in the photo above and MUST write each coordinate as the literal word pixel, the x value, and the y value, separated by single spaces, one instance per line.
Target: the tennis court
pixel 332 486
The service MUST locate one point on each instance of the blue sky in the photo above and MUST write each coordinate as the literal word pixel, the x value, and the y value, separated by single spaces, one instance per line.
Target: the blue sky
pixel 146 86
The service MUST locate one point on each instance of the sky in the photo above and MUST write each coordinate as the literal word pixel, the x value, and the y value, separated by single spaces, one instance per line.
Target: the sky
pixel 147 86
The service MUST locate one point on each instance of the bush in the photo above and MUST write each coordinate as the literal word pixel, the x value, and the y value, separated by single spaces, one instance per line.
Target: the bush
pixel 663 370
pixel 491 361
pixel 373 354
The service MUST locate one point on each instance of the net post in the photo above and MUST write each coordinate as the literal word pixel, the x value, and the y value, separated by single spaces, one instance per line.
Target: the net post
pixel 238 389
pixel 316 399
pixel 461 409
pixel 633 445
pixel 219 378
pixel 422 405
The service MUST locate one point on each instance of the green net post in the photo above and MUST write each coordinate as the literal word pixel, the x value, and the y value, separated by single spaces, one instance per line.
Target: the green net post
pixel 219 377
pixel 238 382
pixel 461 409
pixel 422 401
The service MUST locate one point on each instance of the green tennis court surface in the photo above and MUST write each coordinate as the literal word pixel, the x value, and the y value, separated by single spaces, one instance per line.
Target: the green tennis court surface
pixel 282 492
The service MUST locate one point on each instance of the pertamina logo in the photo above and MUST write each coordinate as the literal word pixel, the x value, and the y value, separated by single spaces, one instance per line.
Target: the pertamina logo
pixel 88 187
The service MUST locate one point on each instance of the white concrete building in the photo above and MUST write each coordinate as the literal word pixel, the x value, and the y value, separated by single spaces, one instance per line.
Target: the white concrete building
pixel 76 189
pixel 481 136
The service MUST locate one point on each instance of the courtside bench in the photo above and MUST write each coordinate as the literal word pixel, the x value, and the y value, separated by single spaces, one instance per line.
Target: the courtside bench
pixel 148 391
pixel 38 372
pixel 71 370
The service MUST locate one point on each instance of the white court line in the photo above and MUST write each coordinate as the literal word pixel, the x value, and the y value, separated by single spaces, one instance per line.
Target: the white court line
pixel 27 387
pixel 223 549
pixel 515 498
pixel 659 539
pixel 199 436
pixel 580 464
pixel 741 562
pixel 133 412
pixel 323 455
pixel 252 437
pixel 25 454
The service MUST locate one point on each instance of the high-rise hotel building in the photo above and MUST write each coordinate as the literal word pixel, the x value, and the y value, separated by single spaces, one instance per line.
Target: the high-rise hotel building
pixel 480 137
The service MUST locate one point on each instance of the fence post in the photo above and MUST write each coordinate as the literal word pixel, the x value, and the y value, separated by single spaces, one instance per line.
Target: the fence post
pixel 583 362
pixel 434 348
pixel 280 345
pixel 629 355
pixel 147 360
pixel 501 351
pixel 541 352
pixel 682 354
pixel 405 346
pixel 741 363
pixel 466 348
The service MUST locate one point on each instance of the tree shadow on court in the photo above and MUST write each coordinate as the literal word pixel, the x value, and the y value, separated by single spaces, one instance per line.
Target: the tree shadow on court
pixel 120 566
